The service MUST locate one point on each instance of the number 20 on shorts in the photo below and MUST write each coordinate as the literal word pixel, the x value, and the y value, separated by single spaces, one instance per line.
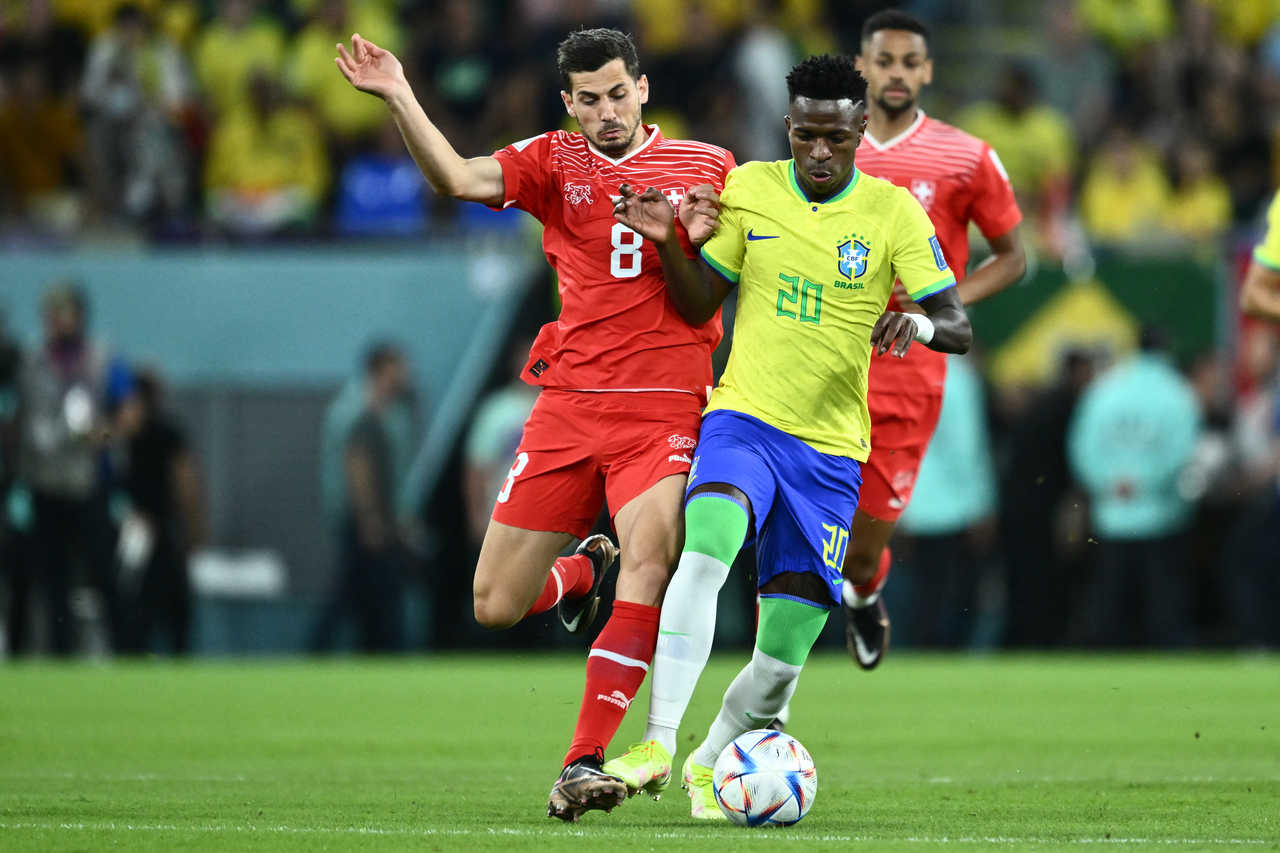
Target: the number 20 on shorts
pixel 833 545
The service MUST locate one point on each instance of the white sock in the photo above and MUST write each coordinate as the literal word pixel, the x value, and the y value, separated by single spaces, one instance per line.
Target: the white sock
pixel 685 631
pixel 755 697
pixel 852 599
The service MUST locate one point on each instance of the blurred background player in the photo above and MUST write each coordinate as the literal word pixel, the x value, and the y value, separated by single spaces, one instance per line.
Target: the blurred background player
pixel 958 179
pixel 585 443
pixel 1260 293
pixel 781 447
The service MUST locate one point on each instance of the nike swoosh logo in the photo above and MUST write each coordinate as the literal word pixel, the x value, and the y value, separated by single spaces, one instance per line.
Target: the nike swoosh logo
pixel 751 235
pixel 864 654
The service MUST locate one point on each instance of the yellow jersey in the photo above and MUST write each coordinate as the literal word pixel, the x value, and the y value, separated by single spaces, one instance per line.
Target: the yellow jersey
pixel 813 278
pixel 1267 252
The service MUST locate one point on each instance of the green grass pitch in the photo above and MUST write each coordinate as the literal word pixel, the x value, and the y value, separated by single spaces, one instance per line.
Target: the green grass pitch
pixel 444 753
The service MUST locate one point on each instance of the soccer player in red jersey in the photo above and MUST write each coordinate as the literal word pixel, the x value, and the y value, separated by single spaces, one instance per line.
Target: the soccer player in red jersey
pixel 624 378
pixel 958 179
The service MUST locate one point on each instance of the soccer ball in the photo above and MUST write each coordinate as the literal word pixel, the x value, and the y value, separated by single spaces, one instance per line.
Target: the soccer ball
pixel 765 778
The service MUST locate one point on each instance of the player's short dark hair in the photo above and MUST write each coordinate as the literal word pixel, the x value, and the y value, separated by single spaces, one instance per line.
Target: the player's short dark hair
pixel 894 19
pixel 826 78
pixel 587 50
pixel 379 355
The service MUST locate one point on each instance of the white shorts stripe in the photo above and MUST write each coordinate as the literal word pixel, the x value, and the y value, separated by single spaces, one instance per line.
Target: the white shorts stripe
pixel 617 658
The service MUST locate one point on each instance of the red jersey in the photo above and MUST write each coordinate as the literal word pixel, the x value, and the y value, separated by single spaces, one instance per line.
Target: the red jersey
pixel 958 179
pixel 617 330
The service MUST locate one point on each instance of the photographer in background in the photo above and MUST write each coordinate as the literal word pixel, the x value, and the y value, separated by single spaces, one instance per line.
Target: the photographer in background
pixel 65 388
pixel 165 522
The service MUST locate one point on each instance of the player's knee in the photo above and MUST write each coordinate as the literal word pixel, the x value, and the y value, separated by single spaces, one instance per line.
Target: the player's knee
pixel 493 612
pixel 643 581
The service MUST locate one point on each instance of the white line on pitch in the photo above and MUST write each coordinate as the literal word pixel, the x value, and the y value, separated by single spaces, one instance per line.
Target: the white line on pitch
pixel 789 835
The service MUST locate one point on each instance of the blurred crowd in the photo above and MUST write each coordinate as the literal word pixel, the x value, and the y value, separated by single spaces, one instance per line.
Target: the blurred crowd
pixel 1132 500
pixel 1150 122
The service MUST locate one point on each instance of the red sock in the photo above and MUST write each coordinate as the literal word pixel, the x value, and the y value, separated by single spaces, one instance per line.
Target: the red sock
pixel 616 667
pixel 571 576
pixel 878 580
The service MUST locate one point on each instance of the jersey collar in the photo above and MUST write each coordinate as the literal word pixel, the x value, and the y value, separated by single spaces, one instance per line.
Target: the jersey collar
pixel 885 146
pixel 654 135
pixel 799 190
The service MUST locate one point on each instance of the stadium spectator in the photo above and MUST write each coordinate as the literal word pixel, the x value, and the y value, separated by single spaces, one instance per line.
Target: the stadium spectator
pixel 1128 25
pixel 459 67
pixel 267 169
pixel 236 43
pixel 948 542
pixel 1074 72
pixel 66 389
pixel 41 149
pixel 164 524
pixel 1125 192
pixel 38 29
pixel 1034 142
pixel 761 59
pixel 1129 443
pixel 136 89
pixel 347 115
pixel 1035 493
pixel 1199 209
pixel 381 193
pixel 370 584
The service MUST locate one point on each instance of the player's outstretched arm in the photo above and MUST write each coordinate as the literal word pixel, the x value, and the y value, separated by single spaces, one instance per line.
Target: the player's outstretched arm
pixel 695 289
pixel 1006 265
pixel 946 329
pixel 374 70
pixel 1260 293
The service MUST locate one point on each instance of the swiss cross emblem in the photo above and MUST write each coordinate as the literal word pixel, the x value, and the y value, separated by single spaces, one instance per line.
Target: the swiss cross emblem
pixel 675 196
pixel 924 191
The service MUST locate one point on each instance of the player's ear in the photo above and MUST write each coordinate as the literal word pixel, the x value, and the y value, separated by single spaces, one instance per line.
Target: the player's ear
pixel 928 72
pixel 568 102
pixel 642 88
pixel 787 121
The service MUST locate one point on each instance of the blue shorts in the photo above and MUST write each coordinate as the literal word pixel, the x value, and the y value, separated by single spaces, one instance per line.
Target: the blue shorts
pixel 802 500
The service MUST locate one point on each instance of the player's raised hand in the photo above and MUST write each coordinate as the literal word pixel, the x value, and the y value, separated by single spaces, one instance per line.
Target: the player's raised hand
pixel 649 214
pixel 893 333
pixel 700 212
pixel 370 68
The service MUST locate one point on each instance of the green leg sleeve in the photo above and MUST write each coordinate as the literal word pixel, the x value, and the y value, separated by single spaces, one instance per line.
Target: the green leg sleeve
pixel 788 628
pixel 715 525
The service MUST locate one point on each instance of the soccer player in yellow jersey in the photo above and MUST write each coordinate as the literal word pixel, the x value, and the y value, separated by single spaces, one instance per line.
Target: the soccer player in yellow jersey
pixel 814 247
pixel 1260 295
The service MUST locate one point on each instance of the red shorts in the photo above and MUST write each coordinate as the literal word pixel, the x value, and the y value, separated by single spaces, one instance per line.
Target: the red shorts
pixel 901 426
pixel 580 449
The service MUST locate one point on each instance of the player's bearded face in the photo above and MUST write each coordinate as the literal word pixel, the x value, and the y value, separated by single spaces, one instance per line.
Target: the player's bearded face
pixel 824 136
pixel 606 102
pixel 896 65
